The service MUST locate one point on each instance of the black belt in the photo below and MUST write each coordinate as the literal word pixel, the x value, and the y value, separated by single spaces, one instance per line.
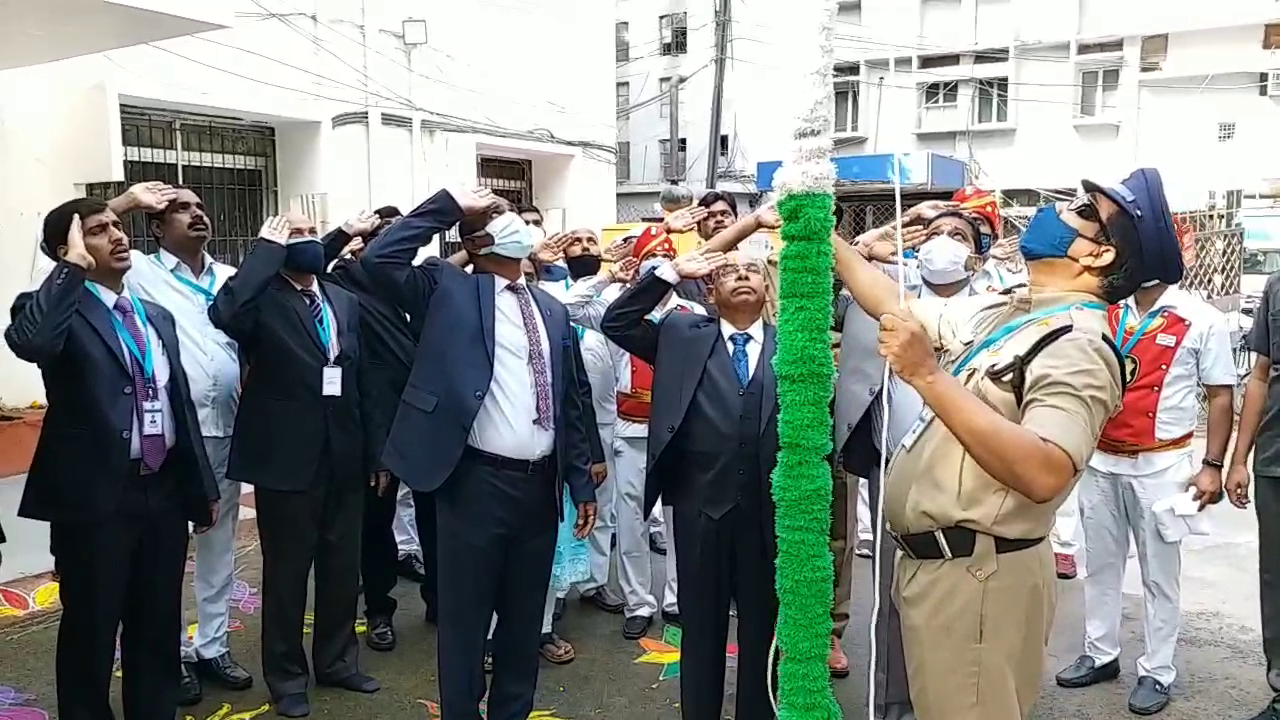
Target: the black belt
pixel 526 467
pixel 953 542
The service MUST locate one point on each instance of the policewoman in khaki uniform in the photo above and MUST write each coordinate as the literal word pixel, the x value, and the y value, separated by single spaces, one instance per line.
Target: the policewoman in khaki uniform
pixel 1017 388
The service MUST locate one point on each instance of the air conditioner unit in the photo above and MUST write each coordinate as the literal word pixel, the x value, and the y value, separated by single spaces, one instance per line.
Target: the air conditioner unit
pixel 1273 84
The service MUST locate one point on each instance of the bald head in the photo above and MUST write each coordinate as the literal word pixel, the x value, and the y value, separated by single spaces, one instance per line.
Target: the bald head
pixel 300 225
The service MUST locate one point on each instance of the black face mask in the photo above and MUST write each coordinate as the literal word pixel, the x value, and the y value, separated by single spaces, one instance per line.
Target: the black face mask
pixel 582 266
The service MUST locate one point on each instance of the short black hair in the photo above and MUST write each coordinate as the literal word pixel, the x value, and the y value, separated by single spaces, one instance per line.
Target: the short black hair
pixel 522 209
pixel 57 223
pixel 711 197
pixel 1121 279
pixel 388 211
pixel 159 216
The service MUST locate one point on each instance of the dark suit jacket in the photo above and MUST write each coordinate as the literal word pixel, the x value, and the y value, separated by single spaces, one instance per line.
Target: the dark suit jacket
pixel 451 374
pixel 678 348
pixel 82 458
pixel 387 343
pixel 286 428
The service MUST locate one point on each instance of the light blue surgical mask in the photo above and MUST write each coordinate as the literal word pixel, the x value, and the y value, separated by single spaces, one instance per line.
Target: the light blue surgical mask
pixel 511 237
pixel 1047 235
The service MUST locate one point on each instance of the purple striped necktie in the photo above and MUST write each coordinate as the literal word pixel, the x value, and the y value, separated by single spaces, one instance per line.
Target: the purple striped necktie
pixel 538 361
pixel 153 447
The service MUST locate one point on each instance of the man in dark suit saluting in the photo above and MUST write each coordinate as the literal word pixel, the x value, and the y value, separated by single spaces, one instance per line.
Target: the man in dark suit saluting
pixel 713 440
pixel 300 441
pixel 119 469
pixel 491 422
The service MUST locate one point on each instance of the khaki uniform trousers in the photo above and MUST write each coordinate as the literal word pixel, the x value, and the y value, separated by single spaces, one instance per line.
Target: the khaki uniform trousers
pixel 974 631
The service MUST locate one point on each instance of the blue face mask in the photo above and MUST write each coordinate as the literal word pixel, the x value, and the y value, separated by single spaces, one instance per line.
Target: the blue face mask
pixel 1047 236
pixel 305 256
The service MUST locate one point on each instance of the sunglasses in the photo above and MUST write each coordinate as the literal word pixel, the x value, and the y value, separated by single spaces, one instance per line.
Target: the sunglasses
pixel 1086 209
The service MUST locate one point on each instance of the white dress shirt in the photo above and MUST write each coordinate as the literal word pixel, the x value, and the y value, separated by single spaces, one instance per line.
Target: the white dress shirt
pixel 208 355
pixel 506 424
pixel 160 366
pixel 754 346
pixel 334 347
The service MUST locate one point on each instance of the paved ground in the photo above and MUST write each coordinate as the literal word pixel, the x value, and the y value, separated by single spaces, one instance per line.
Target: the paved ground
pixel 1219 658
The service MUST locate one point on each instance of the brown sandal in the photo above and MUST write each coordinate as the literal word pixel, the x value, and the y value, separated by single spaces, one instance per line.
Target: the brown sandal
pixel 556 650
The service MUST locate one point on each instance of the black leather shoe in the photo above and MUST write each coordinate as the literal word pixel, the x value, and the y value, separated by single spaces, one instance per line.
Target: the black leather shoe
pixel 606 600
pixel 1085 672
pixel 634 627
pixel 225 671
pixel 293 706
pixel 189 691
pixel 671 618
pixel 1149 697
pixel 657 544
pixel 381 636
pixel 355 682
pixel 410 567
pixel 558 611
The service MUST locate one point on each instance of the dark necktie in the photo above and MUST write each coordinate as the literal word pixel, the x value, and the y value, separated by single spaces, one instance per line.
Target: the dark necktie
pixel 317 314
pixel 541 378
pixel 153 447
pixel 740 365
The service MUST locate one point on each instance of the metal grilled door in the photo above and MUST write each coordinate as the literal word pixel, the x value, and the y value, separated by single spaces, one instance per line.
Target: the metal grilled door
pixel 230 166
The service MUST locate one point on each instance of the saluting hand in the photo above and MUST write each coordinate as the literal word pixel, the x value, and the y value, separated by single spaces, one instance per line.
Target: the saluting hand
pixel 474 202
pixel 624 271
pixel 684 219
pixel 275 229
pixel 905 344
pixel 150 197
pixel 619 249
pixel 696 264
pixel 77 253
pixel 362 224
pixel 767 217
pixel 586 520
pixel 551 250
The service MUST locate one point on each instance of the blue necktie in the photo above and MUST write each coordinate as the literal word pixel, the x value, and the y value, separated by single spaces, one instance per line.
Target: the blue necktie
pixel 740 366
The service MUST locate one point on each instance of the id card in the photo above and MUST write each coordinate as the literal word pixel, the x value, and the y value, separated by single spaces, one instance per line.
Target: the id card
pixel 152 418
pixel 914 433
pixel 331 381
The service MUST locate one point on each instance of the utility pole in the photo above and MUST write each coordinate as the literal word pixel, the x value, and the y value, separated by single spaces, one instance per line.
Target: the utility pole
pixel 723 10
pixel 674 173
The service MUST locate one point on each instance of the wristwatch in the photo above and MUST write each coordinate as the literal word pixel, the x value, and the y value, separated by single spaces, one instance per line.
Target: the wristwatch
pixel 1210 462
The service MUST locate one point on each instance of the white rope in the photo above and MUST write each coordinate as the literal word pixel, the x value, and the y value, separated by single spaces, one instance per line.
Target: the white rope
pixel 877 556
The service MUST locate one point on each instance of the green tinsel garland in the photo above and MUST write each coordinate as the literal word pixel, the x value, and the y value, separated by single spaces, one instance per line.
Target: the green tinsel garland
pixel 802 478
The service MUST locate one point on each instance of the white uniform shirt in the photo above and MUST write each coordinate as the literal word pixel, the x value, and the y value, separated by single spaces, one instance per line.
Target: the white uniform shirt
pixel 597 360
pixel 505 424
pixel 1203 358
pixel 160 368
pixel 208 355
pixel 586 302
pixel 754 346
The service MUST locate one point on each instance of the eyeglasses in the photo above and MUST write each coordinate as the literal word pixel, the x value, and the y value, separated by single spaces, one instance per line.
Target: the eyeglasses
pixel 1086 209
pixel 730 270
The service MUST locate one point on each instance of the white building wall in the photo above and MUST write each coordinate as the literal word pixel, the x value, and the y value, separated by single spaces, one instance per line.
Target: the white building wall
pixel 295 64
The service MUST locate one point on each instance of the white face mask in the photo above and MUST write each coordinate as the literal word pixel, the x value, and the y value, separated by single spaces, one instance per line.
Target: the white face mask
pixel 944 260
pixel 511 237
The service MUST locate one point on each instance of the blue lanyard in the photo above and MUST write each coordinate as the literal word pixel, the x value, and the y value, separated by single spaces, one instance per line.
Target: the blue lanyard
pixel 582 331
pixel 205 291
pixel 141 354
pixel 1127 345
pixel 324 326
pixel 1013 326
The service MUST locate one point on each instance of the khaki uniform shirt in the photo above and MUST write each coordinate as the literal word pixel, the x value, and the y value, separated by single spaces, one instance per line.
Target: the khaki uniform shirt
pixel 1072 387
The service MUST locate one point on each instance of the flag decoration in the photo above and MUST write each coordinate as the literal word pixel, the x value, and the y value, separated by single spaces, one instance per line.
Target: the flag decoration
pixel 801 482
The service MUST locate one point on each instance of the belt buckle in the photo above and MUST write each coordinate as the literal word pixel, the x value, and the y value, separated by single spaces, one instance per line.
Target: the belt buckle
pixel 943 544
pixel 897 540
pixel 532 467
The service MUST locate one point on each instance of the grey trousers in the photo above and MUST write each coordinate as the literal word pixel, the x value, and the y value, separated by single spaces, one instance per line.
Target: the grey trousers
pixel 1266 503
pixel 893 696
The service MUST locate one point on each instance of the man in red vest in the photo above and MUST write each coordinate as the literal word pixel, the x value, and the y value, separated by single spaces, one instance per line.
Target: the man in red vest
pixel 586 301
